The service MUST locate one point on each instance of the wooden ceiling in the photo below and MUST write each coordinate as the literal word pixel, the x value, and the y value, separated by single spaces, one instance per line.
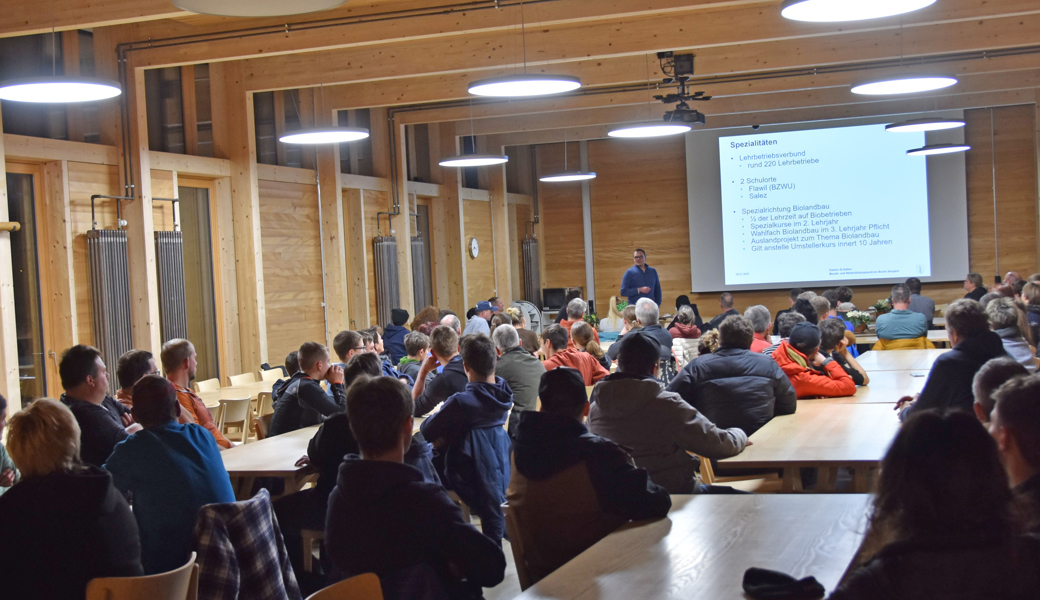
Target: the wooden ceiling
pixel 420 55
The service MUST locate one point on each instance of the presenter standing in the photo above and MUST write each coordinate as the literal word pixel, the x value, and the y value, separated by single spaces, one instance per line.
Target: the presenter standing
pixel 641 281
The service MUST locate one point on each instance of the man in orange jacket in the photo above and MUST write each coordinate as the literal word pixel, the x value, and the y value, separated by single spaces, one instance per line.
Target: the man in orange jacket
pixel 812 374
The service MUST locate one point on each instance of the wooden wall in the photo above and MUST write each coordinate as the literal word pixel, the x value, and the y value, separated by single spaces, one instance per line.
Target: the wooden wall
pixel 480 271
pixel 562 241
pixel 375 202
pixel 292 267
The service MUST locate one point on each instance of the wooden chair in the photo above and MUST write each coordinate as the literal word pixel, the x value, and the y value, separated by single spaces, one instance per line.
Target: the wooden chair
pixel 919 343
pixel 243 379
pixel 236 413
pixel 310 536
pixel 264 404
pixel 271 375
pixel 209 385
pixel 516 545
pixel 181 583
pixel 262 425
pixel 359 587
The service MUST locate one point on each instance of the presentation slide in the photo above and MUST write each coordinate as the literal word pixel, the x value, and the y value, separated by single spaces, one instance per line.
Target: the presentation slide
pixel 824 204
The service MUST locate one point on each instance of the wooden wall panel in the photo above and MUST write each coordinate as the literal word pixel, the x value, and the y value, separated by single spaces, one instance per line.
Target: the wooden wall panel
pixel 86 179
pixel 292 266
pixel 562 241
pixel 639 200
pixel 374 202
pixel 163 186
pixel 480 271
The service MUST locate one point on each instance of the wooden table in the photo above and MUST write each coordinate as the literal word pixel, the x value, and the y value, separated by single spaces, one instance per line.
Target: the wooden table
pixel 707 542
pixel 899 360
pixel 823 435
pixel 936 336
pixel 885 387
pixel 249 390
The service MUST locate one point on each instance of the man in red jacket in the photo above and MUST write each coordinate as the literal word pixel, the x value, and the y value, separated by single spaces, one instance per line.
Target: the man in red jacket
pixel 812 374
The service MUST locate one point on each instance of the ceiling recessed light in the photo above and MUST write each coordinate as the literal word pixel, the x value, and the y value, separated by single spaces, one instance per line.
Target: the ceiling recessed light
pixel 474 160
pixel 568 176
pixel 256 8
pixel 933 149
pixel 648 130
pixel 917 125
pixel 830 11
pixel 906 84
pixel 57 89
pixel 324 135
pixel 514 86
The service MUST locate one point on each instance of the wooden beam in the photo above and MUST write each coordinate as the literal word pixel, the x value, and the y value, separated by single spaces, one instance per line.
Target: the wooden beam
pixel 58 288
pixel 379 134
pixel 106 66
pixel 364 182
pixel 224 263
pixel 34 149
pixel 500 228
pixel 140 229
pixel 27 18
pixel 356 250
pixel 438 250
pixel 185 164
pixel 279 126
pixel 424 190
pixel 334 257
pixel 189 108
pixel 236 142
pixel 286 174
pixel 9 385
pixel 74 127
pixel 452 232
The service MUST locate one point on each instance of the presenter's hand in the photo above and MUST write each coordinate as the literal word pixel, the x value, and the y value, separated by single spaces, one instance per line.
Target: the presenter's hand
pixel 644 290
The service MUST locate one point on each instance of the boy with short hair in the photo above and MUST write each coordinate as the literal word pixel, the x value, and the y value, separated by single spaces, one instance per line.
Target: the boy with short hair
pixel 303 403
pixel 416 346
pixel 384 358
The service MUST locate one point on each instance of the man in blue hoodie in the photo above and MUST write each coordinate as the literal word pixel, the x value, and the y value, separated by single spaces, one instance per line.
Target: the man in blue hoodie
pixel 469 435
pixel 393 335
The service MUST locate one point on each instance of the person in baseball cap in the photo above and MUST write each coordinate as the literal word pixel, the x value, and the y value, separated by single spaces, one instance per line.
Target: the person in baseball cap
pixel 811 373
pixel 479 322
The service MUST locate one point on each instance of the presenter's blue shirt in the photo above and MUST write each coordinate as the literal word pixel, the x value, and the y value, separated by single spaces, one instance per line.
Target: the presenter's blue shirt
pixel 636 278
pixel 171 470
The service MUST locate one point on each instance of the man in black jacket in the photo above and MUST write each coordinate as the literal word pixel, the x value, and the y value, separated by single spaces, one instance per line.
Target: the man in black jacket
pixel 1015 425
pixel 444 351
pixel 303 403
pixel 385 519
pixel 735 387
pixel 649 315
pixel 570 488
pixel 949 382
pixel 726 304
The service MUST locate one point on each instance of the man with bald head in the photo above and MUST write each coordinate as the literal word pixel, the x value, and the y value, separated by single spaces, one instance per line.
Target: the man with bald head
pixel 1011 278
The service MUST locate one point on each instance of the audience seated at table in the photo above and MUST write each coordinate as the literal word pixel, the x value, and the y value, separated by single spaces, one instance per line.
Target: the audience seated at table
pixel 684 324
pixel 1004 319
pixel 575 314
pixel 708 343
pixel 452 320
pixel 949 382
pixel 393 334
pixel 787 323
pixel 629 408
pixel 989 297
pixel 761 324
pixel 943 523
pixel 734 387
pixel 429 314
pixel 444 352
pixel 726 306
pixel 416 347
pixel 8 471
pixel 628 314
pixel 582 335
pixel 648 316
pixel 384 518
pixel 795 292
pixel 681 302
pixel 1015 425
pixel 292 367
pixel 528 338
pixel 803 306
pixel 304 403
pixel 834 345
pixel 520 369
pixel 469 435
pixel 570 488
pixel 974 286
pixel 178 360
pixel 901 323
pixel 845 296
pixel 384 358
pixel 918 303
pixel 822 307
pixel 811 373
pixel 103 422
pixel 558 354
pixel 478 321
pixel 346 344
pixel 170 470
pixel 569 294
pixel 991 376
pixel 64 523
pixel 132 366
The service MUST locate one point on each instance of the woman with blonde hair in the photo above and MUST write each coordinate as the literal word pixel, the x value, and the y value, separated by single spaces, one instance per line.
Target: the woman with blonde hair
pixel 629 315
pixel 64 523
pixel 528 338
pixel 582 334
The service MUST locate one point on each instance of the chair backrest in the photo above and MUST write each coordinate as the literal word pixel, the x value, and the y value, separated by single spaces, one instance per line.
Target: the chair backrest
pixel 264 404
pixel 178 584
pixel 271 375
pixel 243 379
pixel 262 425
pixel 359 587
pixel 516 545
pixel 209 385
pixel 918 343
pixel 236 412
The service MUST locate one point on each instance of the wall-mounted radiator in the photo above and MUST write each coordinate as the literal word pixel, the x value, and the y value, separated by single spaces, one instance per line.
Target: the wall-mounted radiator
pixel 169 262
pixel 387 285
pixel 110 294
pixel 420 294
pixel 532 277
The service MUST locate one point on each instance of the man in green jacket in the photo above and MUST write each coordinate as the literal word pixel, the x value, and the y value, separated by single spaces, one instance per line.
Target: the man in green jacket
pixel 521 370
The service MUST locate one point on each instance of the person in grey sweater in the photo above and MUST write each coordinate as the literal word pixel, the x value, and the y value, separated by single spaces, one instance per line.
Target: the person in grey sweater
pixel 631 409
pixel 521 370
pixel 920 304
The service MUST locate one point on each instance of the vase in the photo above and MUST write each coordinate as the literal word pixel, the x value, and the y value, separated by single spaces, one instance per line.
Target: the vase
pixel 860 327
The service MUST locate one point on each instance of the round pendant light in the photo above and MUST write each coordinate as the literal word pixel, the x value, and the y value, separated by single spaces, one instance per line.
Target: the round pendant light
pixel 933 149
pixel 324 135
pixel 649 130
pixel 58 88
pixel 830 11
pixel 917 125
pixel 906 84
pixel 256 8
pixel 474 160
pixel 518 86
pixel 568 176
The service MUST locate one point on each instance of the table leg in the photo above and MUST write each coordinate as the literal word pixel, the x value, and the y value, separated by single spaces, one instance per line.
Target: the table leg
pixel 243 487
pixel 792 481
pixel 861 479
pixel 828 479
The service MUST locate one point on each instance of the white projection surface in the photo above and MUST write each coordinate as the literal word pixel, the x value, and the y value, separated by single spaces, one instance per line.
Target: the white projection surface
pixel 822 204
